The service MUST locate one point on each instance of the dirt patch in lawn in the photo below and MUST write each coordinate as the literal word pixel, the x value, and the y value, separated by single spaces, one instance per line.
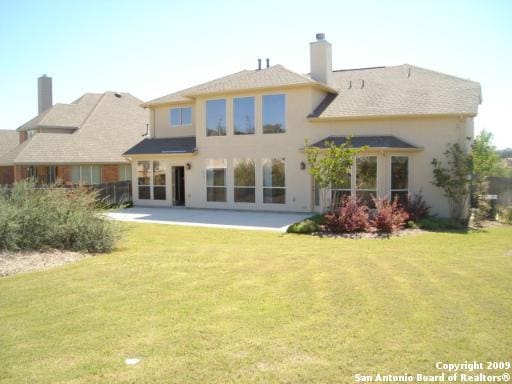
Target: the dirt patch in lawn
pixel 12 263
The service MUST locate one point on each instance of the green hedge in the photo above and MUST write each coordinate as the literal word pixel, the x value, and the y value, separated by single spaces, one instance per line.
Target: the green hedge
pixel 41 218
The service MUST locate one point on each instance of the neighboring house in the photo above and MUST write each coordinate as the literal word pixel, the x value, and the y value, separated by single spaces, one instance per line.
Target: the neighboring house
pixel 9 140
pixel 237 142
pixel 81 142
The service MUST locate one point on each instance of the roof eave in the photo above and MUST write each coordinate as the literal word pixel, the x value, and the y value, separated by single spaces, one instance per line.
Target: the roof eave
pixel 160 154
pixel 392 116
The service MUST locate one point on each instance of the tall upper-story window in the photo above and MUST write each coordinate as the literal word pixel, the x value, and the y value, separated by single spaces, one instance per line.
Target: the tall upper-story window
pixel 243 115
pixel 180 116
pixel 274 113
pixel 216 117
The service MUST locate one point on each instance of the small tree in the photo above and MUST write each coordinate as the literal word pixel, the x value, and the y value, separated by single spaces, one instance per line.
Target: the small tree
pixel 331 167
pixel 484 157
pixel 454 179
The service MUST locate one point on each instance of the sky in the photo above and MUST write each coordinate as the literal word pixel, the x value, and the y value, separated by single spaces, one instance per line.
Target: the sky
pixel 152 48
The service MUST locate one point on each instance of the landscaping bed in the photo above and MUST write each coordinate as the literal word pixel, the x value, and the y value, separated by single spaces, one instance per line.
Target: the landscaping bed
pixel 26 261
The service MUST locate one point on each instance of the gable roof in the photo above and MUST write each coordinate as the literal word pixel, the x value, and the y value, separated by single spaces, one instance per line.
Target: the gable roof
pixel 275 76
pixel 114 122
pixel 174 145
pixel 9 140
pixel 371 141
pixel 402 90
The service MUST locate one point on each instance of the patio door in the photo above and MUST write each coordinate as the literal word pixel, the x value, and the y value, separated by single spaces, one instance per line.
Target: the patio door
pixel 178 186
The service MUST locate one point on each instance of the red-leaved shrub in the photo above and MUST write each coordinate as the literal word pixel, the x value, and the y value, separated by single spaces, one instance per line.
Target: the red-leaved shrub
pixel 388 216
pixel 351 216
pixel 416 207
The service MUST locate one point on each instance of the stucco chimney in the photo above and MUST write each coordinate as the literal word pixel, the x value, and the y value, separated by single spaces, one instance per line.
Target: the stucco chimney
pixel 321 59
pixel 44 93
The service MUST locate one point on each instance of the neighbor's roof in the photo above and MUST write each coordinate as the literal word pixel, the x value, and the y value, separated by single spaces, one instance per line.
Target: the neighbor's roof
pixel 175 145
pixel 403 90
pixel 9 140
pixel 275 76
pixel 64 115
pixel 114 122
pixel 380 141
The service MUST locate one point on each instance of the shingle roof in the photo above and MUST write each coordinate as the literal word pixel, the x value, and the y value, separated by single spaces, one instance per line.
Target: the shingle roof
pixel 398 91
pixel 175 145
pixel 273 77
pixel 381 141
pixel 9 139
pixel 113 123
pixel 64 115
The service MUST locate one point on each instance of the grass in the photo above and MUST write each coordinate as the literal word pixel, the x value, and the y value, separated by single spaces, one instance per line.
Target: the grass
pixel 221 306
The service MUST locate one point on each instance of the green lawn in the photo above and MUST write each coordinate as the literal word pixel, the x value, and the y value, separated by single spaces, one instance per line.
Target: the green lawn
pixel 219 306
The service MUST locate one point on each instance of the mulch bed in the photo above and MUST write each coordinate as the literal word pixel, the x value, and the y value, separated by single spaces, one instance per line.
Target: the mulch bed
pixel 12 263
pixel 372 235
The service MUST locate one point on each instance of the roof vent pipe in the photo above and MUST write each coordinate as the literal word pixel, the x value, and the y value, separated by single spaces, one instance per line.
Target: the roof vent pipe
pixel 268 63
pixel 259 64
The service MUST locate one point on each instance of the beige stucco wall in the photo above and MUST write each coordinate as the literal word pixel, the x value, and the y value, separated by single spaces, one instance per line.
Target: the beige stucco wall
pixel 431 134
pixel 162 125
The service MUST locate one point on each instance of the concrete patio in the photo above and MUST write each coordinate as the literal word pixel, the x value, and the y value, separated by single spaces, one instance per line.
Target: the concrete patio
pixel 213 218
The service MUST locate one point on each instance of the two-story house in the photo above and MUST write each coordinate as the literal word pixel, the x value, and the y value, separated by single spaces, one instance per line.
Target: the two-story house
pixel 237 142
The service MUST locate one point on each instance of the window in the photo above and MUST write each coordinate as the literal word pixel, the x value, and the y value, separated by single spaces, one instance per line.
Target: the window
pixel 144 179
pixel 274 187
pixel 180 116
pixel 52 174
pixel 274 114
pixel 342 188
pixel 216 180
pixel 243 115
pixel 125 172
pixel 158 180
pixel 366 179
pixel 400 177
pixel 86 174
pixel 216 117
pixel 245 181
pixel 32 172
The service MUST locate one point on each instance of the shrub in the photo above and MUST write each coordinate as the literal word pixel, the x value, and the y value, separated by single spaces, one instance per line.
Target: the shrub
pixel 482 211
pixel 304 227
pixel 505 215
pixel 351 216
pixel 39 218
pixel 389 216
pixel 432 223
pixel 416 207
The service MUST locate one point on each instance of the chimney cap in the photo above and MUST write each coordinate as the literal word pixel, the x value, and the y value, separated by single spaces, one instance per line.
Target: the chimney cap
pixel 320 36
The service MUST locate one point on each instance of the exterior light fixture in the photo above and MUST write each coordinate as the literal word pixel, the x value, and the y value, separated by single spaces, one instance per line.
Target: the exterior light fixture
pixel 189 166
pixel 302 165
